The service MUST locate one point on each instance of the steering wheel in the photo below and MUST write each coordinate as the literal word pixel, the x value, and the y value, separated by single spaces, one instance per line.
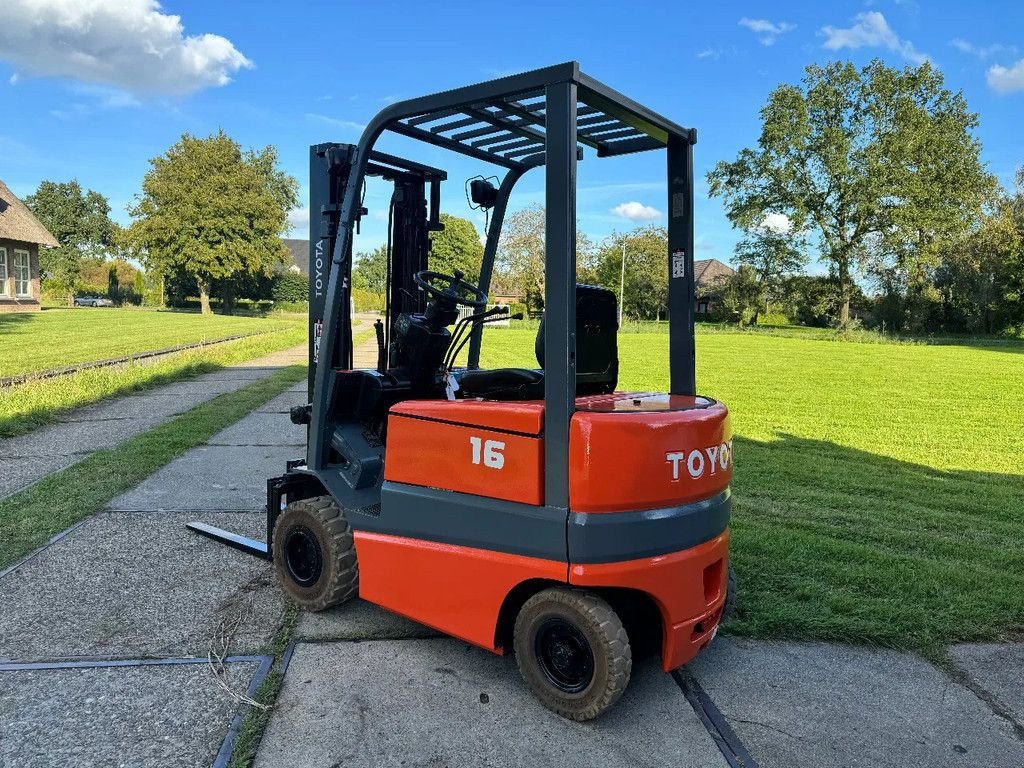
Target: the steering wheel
pixel 450 289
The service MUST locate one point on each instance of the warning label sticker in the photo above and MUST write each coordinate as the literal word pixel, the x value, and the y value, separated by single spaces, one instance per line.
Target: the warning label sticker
pixel 678 264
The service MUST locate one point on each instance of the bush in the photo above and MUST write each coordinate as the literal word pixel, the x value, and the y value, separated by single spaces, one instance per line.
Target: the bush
pixel 290 286
pixel 517 306
pixel 292 306
pixel 773 318
pixel 367 301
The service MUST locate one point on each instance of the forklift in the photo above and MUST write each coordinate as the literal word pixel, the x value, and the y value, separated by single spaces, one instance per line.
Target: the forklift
pixel 534 510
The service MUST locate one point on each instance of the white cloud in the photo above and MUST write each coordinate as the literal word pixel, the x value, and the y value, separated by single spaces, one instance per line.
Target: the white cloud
pixel 298 221
pixel 767 31
pixel 128 44
pixel 1006 79
pixel 327 120
pixel 777 223
pixel 635 211
pixel 981 51
pixel 871 30
pixel 13 79
pixel 709 53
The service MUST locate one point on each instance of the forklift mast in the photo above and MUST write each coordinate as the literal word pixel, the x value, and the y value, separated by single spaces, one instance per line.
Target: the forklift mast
pixel 410 221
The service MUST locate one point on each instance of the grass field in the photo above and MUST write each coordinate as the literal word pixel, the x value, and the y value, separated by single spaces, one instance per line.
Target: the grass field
pixel 55 338
pixel 879 487
pixel 26 406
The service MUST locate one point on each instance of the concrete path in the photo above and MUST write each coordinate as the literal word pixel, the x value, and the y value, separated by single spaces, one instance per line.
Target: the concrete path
pixel 28 458
pixel 367 688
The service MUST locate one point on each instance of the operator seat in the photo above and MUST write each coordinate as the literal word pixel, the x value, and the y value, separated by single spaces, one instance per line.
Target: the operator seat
pixel 597 355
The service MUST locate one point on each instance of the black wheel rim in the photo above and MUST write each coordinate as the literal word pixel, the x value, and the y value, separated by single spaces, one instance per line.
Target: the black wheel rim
pixel 564 655
pixel 302 556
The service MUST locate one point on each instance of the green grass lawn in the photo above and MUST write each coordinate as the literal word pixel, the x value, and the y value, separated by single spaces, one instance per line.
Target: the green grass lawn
pixel 879 487
pixel 55 338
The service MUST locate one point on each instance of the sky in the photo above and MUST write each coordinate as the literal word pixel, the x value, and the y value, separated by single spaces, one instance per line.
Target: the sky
pixel 93 89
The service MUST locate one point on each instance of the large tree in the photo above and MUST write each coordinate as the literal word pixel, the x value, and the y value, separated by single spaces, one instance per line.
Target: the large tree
pixel 880 163
pixel 519 266
pixel 456 247
pixel 981 278
pixel 645 294
pixel 212 211
pixel 771 254
pixel 80 221
pixel 370 270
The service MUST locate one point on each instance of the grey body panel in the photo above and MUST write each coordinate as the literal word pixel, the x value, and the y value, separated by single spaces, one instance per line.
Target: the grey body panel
pixel 549 533
pixel 466 520
pixel 609 537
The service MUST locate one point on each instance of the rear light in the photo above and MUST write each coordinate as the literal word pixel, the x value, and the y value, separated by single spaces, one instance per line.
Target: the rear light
pixel 713 581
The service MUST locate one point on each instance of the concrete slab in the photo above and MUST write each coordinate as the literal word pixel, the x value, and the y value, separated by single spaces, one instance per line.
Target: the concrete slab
pixel 139 585
pixel 138 406
pixel 240 372
pixel 201 385
pixel 145 717
pixel 80 438
pixel 30 457
pixel 358 620
pixel 218 478
pixel 998 669
pixel 798 705
pixel 283 402
pixel 19 473
pixel 261 428
pixel 443 703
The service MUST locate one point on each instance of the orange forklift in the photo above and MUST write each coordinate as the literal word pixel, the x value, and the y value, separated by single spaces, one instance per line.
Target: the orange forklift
pixel 535 510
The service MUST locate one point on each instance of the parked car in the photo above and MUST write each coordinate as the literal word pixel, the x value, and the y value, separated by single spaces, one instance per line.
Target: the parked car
pixel 92 301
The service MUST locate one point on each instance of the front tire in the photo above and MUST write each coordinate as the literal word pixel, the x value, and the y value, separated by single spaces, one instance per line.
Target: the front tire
pixel 573 652
pixel 314 554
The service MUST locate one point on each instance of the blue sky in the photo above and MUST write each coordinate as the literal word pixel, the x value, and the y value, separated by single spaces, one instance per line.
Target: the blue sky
pixel 84 95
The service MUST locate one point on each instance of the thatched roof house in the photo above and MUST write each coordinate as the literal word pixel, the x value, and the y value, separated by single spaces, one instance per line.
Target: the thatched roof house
pixel 21 234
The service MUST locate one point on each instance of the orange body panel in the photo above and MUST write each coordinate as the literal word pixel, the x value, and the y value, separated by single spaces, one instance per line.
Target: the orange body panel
pixel 688 588
pixel 627 452
pixel 440 454
pixel 624 456
pixel 457 590
pixel 526 416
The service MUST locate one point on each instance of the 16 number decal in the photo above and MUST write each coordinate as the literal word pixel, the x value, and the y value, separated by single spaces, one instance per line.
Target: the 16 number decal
pixel 489 452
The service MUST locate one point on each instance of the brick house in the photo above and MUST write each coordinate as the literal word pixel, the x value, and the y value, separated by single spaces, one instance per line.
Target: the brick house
pixel 21 235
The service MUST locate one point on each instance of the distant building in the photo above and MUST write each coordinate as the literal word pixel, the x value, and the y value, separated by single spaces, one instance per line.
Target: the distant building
pixel 21 234
pixel 299 249
pixel 708 275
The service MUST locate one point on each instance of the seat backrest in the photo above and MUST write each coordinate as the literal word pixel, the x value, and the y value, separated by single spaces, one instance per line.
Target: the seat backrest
pixel 597 349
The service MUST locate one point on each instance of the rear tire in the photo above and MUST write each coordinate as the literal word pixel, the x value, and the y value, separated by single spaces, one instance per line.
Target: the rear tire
pixel 314 554
pixel 729 610
pixel 573 652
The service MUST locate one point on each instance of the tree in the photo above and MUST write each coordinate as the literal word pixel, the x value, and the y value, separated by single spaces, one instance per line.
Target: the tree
pixel 80 221
pixel 370 270
pixel 456 247
pixel 772 255
pixel 212 212
pixel 878 163
pixel 743 294
pixel 981 277
pixel 645 294
pixel 519 263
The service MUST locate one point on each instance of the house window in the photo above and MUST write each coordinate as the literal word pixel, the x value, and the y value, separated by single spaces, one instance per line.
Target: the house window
pixel 3 272
pixel 22 274
pixel 702 308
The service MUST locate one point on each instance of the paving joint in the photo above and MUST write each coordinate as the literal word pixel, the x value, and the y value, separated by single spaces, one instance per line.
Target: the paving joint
pixel 106 663
pixel 714 722
pixel 40 549
pixel 958 675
